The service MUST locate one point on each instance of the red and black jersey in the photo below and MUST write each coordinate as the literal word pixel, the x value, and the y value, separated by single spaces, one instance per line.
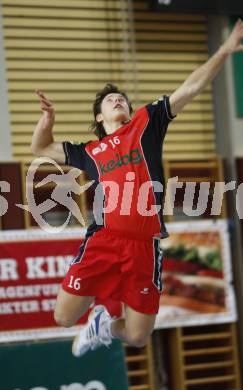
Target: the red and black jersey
pixel 131 159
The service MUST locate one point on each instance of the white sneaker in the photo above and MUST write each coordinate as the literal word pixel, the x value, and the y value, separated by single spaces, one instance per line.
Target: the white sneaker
pixel 95 333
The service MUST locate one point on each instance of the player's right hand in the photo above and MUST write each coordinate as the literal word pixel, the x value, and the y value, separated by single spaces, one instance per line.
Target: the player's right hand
pixel 45 104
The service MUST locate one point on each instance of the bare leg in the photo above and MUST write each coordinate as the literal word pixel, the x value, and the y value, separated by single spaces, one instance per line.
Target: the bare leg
pixel 69 308
pixel 135 329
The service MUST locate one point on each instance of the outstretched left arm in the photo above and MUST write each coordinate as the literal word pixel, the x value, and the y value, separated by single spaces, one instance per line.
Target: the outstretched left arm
pixel 202 76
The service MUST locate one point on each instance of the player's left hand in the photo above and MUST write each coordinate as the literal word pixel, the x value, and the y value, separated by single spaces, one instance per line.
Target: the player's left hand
pixel 233 43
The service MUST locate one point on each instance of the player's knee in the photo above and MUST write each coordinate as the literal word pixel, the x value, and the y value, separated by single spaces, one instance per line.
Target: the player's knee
pixel 62 320
pixel 138 339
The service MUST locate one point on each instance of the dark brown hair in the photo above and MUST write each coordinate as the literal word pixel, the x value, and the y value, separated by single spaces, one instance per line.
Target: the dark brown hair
pixel 98 128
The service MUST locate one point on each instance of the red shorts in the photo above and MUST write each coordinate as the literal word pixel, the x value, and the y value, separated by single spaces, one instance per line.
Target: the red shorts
pixel 124 269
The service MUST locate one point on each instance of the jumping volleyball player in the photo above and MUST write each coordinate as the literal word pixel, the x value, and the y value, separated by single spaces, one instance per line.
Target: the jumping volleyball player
pixel 121 257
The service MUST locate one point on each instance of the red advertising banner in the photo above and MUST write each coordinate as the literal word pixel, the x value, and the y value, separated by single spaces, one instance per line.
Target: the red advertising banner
pixel 32 266
pixel 30 274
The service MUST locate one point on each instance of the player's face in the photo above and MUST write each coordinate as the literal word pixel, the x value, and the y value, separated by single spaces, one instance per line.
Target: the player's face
pixel 114 108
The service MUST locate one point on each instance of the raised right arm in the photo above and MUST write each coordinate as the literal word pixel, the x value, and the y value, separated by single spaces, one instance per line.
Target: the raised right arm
pixel 43 144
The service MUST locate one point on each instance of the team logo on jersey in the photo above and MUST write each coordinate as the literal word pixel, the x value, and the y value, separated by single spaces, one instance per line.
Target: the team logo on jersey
pixel 133 157
pixel 99 149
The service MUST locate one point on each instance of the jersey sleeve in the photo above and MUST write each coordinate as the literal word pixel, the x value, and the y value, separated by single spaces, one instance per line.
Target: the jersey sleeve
pixel 75 154
pixel 159 116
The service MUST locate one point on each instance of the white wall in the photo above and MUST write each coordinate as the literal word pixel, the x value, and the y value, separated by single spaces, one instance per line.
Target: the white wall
pixel 5 130
pixel 229 128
